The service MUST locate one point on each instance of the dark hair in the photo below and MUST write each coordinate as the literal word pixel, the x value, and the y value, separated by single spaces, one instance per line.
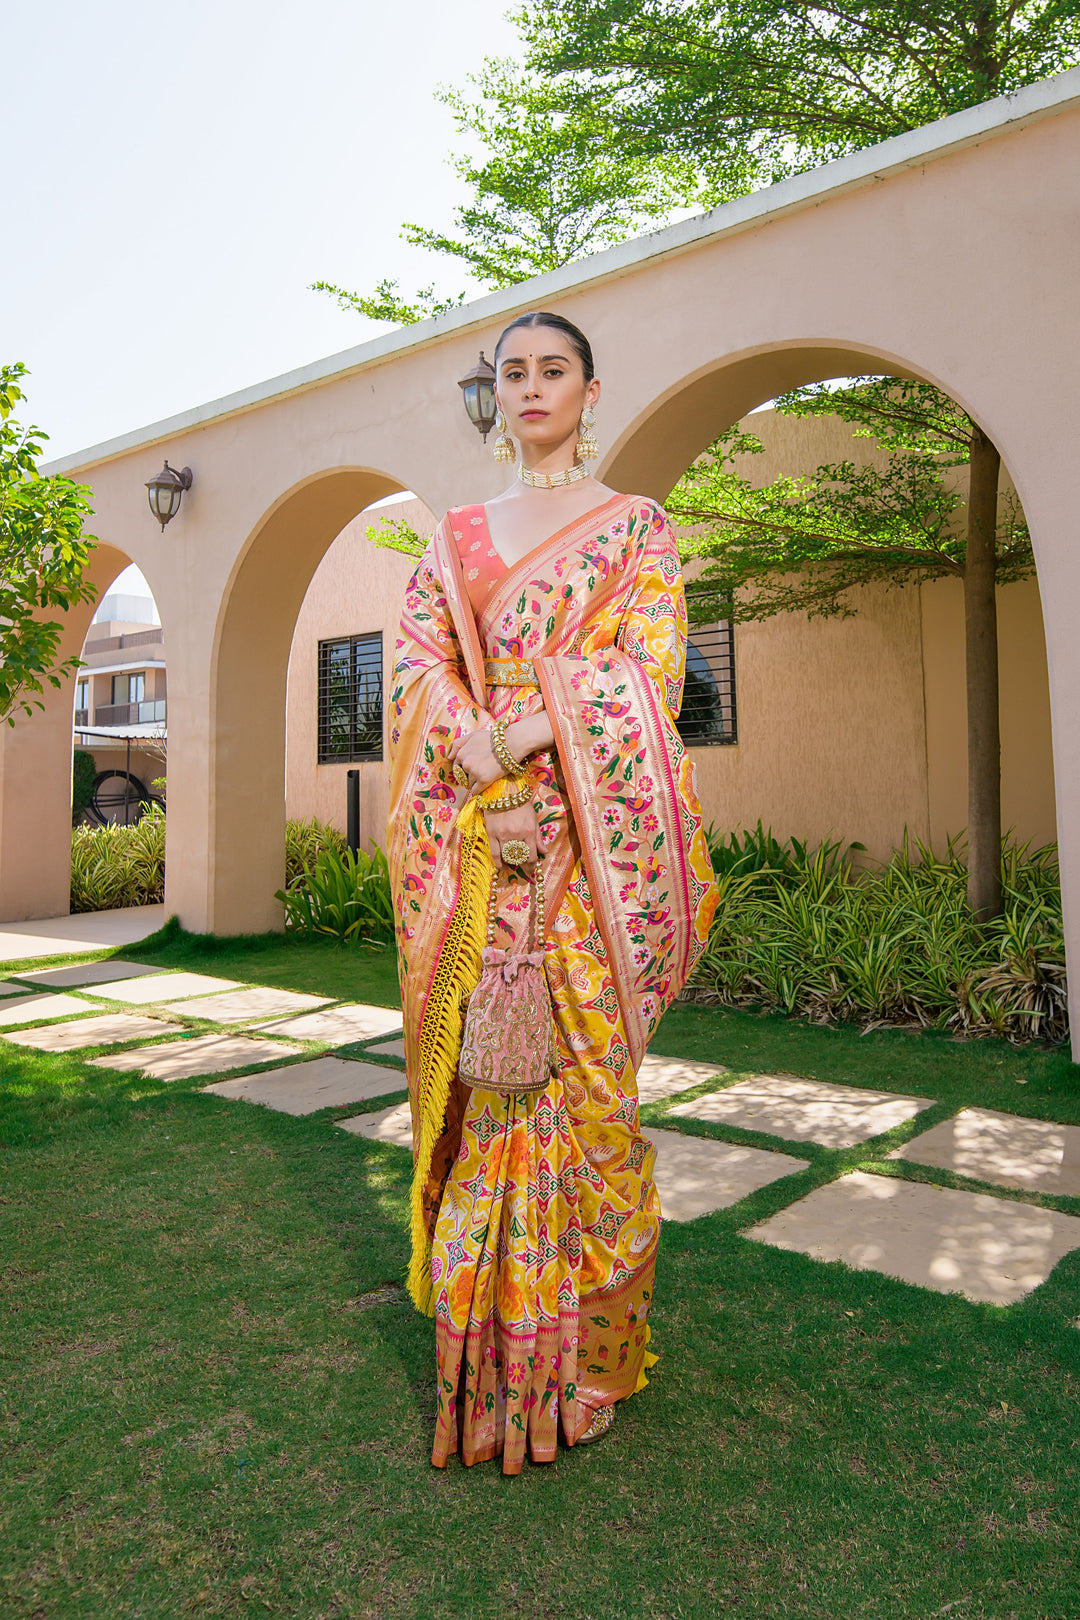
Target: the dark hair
pixel 579 342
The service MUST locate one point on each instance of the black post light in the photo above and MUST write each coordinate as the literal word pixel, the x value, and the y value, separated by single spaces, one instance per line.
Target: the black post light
pixel 165 490
pixel 478 386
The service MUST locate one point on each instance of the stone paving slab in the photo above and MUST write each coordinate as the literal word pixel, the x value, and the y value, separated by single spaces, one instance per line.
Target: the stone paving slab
pixel 388 1125
pixel 103 1029
pixel 805 1110
pixel 164 987
pixel 86 931
pixel 353 1022
pixel 694 1177
pixel 302 1088
pixel 28 1009
pixel 390 1048
pixel 660 1077
pixel 244 1006
pixel 87 973
pixel 991 1250
pixel 1034 1153
pixel 205 1054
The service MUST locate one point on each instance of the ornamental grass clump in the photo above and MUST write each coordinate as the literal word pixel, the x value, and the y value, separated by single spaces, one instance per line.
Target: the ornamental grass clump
pixel 806 932
pixel 117 865
pixel 344 895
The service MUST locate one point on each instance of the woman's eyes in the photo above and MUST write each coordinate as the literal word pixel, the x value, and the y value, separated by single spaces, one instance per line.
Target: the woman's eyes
pixel 552 371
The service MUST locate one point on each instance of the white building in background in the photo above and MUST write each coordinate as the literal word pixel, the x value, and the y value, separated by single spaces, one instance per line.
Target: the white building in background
pixel 121 705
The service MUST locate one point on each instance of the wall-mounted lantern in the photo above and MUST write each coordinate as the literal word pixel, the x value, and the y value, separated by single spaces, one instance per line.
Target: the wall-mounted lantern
pixel 165 490
pixel 478 386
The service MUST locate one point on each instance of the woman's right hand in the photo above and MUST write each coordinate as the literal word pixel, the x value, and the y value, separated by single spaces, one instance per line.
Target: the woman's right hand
pixel 475 754
pixel 502 825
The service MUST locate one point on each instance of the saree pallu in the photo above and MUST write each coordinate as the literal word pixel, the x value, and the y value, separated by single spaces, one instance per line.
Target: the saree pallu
pixel 535 1220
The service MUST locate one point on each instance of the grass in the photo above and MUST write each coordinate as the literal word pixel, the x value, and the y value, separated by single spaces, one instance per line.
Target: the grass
pixel 216 1404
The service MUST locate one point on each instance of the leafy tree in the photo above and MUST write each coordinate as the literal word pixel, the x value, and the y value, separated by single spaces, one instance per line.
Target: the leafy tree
pixel 554 184
pixel 752 90
pixel 806 543
pixel 43 555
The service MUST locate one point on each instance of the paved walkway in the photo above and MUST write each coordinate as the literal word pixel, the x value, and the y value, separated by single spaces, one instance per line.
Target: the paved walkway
pixel 300 1053
pixel 86 931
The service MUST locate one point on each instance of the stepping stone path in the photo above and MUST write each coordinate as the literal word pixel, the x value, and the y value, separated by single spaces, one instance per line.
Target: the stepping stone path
pixel 341 1025
pixel 302 1088
pixel 694 1176
pixel 164 986
pixel 104 1029
pixel 1014 1152
pixel 988 1249
pixel 28 1009
pixel 244 1006
pixel 87 973
pixel 205 1054
pixel 805 1110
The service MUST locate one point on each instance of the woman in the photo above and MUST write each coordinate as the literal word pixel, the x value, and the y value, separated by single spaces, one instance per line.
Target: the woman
pixel 557 609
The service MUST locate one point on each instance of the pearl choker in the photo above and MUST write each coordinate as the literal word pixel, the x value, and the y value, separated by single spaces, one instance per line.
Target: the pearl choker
pixel 540 480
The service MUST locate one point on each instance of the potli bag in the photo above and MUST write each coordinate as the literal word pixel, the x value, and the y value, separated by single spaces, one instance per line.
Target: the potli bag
pixel 509 1041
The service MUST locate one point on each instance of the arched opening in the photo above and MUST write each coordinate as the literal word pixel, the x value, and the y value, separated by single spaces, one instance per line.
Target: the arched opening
pixel 226 830
pixel 36 775
pixel 851 728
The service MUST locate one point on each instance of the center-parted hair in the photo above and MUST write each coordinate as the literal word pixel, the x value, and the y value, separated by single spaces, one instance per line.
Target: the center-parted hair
pixel 578 341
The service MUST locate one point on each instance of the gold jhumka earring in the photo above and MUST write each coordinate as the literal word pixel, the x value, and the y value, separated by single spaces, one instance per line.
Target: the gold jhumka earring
pixel 587 448
pixel 504 444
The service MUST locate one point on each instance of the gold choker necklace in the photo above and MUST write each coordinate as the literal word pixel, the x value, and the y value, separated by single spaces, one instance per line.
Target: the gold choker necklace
pixel 540 480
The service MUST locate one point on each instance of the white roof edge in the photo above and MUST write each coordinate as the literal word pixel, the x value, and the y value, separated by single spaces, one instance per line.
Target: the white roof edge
pixel 945 135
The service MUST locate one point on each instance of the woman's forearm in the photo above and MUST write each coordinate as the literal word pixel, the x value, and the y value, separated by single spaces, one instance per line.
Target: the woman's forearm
pixel 530 735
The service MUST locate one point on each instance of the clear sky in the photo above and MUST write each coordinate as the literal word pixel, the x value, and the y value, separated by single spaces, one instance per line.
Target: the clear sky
pixel 178 175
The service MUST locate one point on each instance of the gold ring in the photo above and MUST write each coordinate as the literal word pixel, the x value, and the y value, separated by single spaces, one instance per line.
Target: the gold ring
pixel 461 774
pixel 515 851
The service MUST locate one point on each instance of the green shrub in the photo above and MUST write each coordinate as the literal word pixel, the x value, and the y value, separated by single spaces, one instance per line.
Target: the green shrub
pixel 304 843
pixel 117 865
pixel 83 771
pixel 343 895
pixel 801 931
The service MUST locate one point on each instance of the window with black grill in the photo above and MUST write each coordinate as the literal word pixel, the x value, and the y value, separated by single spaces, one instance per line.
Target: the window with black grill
pixel 351 699
pixel 708 706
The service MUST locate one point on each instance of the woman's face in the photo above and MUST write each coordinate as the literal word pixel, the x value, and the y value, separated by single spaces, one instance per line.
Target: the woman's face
pixel 540 386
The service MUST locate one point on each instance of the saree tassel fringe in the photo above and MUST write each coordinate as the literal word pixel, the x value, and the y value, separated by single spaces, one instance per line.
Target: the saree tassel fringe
pixel 439 1045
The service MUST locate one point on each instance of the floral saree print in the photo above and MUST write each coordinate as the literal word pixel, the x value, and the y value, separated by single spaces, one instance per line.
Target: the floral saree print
pixel 535 1219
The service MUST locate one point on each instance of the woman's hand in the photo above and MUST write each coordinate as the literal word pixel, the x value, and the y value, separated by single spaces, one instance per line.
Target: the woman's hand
pixel 474 754
pixel 503 825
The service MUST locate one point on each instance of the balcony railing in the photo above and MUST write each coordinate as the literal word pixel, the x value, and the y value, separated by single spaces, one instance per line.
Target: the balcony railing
pixel 82 719
pixel 127 714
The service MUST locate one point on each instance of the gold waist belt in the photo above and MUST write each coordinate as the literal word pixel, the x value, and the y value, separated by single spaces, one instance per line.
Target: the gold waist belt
pixel 510 672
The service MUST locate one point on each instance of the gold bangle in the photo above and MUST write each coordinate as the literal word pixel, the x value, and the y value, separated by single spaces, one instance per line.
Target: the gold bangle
pixel 511 802
pixel 502 753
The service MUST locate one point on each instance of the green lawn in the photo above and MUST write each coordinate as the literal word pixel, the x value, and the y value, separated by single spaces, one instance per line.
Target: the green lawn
pixel 204 1415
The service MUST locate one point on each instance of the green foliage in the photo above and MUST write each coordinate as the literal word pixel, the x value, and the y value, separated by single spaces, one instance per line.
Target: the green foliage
pixel 83 771
pixel 759 90
pixel 801 930
pixel 43 555
pixel 553 184
pixel 305 841
pixel 344 895
pixel 117 865
pixel 396 534
pixel 803 543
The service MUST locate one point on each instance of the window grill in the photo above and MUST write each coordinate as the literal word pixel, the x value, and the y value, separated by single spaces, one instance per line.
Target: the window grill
pixel 350 720
pixel 707 717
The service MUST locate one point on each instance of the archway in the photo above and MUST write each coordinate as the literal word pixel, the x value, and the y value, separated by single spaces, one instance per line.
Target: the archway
pixel 226 827
pixel 35 776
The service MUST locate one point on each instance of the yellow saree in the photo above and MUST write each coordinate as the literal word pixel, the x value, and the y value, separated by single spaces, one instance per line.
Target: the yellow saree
pixel 535 1219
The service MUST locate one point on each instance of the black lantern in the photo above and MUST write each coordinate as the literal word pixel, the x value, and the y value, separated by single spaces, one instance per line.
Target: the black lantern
pixel 164 492
pixel 478 386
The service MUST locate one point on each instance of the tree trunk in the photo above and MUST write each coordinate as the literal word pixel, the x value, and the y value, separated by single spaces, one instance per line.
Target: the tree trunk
pixel 980 628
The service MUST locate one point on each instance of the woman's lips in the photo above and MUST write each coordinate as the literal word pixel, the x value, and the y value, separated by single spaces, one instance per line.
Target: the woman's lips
pixel 532 416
